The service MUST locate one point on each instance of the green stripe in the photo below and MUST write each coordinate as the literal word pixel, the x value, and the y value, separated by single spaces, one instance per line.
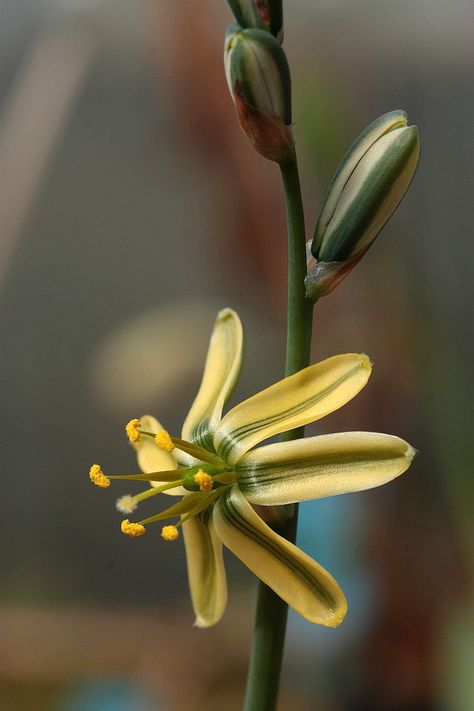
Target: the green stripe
pixel 370 135
pixel 250 474
pixel 339 241
pixel 209 563
pixel 201 435
pixel 240 433
pixel 235 518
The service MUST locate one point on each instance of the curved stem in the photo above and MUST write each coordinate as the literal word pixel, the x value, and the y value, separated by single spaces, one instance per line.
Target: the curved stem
pixel 270 621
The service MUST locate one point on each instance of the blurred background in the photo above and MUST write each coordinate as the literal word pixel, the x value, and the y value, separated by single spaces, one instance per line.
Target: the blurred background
pixel 132 209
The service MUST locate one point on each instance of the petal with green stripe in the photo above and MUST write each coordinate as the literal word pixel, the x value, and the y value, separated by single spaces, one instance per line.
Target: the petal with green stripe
pixel 293 575
pixel 153 459
pixel 303 397
pixel 206 573
pixel 322 466
pixel 221 371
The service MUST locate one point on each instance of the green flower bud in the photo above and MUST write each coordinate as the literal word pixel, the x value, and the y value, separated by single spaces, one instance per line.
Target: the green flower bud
pixel 263 14
pixel 259 82
pixel 367 187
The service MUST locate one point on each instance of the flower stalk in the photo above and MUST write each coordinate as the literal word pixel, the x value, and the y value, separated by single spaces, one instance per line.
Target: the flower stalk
pixel 263 678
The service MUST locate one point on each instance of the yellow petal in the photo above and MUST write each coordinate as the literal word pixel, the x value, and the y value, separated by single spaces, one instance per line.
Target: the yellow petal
pixel 206 573
pixel 153 459
pixel 303 397
pixel 221 371
pixel 322 466
pixel 293 575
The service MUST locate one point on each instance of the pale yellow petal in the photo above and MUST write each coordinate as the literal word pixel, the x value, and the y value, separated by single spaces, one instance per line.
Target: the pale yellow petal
pixel 221 371
pixel 293 402
pixel 316 467
pixel 293 575
pixel 153 459
pixel 206 573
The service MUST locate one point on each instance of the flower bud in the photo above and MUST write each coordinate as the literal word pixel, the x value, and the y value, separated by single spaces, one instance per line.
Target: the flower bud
pixel 263 14
pixel 367 187
pixel 259 82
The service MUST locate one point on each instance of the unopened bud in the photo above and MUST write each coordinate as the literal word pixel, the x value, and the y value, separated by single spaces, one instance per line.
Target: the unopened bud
pixel 367 187
pixel 263 14
pixel 259 82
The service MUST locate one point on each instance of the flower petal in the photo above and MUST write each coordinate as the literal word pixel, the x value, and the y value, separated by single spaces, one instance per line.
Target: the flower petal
pixel 322 466
pixel 303 397
pixel 153 459
pixel 206 573
pixel 221 371
pixel 293 575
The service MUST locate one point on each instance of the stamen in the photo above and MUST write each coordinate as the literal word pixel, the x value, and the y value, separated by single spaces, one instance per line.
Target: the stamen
pixel 164 441
pixel 172 475
pixel 132 428
pixel 183 506
pixel 132 529
pixel 190 505
pixel 98 477
pixel 203 504
pixel 196 451
pixel 227 477
pixel 204 480
pixel 169 533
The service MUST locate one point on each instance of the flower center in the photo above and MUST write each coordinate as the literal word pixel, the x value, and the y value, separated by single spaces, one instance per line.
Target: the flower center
pixel 203 483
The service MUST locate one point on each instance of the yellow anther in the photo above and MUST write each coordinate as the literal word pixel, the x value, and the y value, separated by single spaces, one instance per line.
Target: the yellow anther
pixel 170 533
pixel 164 441
pixel 132 529
pixel 132 430
pixel 98 477
pixel 203 480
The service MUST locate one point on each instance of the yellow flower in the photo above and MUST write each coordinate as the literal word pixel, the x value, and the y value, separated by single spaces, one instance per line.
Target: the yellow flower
pixel 220 473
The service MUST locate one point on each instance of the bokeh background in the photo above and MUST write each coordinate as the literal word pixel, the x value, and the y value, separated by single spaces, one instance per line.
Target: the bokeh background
pixel 131 210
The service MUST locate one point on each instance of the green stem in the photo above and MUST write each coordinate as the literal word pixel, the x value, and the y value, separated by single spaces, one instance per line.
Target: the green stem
pixel 300 310
pixel 270 621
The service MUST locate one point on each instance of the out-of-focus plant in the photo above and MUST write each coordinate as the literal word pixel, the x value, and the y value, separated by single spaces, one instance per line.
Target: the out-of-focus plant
pixel 231 491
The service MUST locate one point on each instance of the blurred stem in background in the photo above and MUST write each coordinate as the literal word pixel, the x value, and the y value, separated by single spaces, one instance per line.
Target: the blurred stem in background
pixel 43 96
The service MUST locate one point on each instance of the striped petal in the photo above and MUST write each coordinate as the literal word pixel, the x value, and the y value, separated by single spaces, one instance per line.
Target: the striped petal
pixel 206 573
pixel 153 459
pixel 221 371
pixel 303 397
pixel 293 575
pixel 322 466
